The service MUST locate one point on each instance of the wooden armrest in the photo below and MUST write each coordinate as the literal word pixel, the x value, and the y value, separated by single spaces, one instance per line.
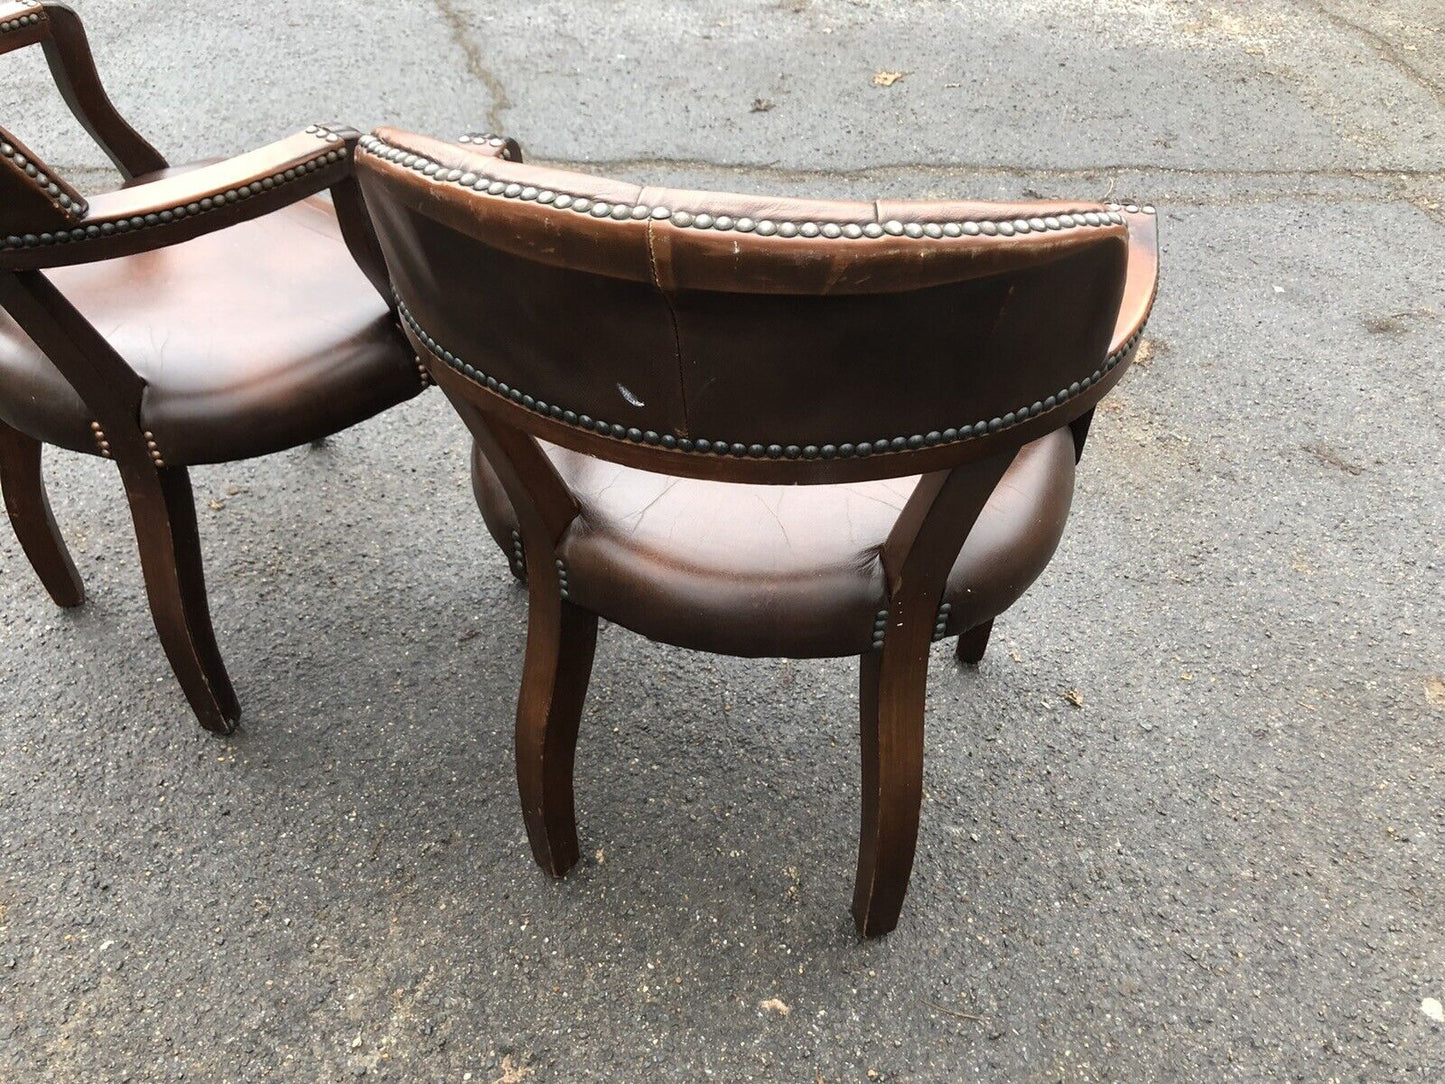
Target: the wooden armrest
pixel 22 24
pixel 177 208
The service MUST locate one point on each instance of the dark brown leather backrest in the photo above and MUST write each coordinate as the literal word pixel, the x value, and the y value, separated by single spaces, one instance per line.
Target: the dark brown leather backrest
pixel 765 330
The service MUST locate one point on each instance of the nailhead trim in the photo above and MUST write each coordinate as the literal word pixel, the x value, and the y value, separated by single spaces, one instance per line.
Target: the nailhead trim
pixel 421 370
pixel 100 442
pixel 71 206
pixel 20 22
pixel 104 444
pixel 321 131
pixel 519 564
pixel 768 451
pixel 940 625
pixel 155 452
pixel 519 555
pixel 488 139
pixel 1132 208
pixel 702 220
pixel 188 210
pixel 880 628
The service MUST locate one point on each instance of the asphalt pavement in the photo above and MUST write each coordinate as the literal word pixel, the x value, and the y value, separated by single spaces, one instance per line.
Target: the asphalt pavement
pixel 1187 820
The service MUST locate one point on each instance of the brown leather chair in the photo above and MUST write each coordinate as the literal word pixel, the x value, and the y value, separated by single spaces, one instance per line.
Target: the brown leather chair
pixel 758 426
pixel 199 314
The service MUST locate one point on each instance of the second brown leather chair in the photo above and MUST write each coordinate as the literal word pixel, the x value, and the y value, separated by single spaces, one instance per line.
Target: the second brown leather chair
pixel 199 314
pixel 756 426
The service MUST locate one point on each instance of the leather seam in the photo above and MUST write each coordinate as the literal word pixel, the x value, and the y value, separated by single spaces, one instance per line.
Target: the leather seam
pixel 684 429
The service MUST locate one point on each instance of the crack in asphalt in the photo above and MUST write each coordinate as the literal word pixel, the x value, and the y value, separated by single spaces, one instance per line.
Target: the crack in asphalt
pixel 1383 47
pixel 476 64
pixel 1414 186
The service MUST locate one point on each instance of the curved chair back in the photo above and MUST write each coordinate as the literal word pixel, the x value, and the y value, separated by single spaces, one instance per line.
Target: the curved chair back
pixel 744 337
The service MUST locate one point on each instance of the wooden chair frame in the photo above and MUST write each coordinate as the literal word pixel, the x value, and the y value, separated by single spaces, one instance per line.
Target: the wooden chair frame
pixel 423 177
pixel 127 221
pixel 561 639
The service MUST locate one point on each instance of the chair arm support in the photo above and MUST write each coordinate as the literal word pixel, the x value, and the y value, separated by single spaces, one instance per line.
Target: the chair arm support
pixel 177 208
pixel 59 30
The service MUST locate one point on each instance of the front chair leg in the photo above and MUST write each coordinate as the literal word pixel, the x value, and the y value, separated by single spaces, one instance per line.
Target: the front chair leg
pixel 30 515
pixel 891 700
pixel 561 639
pixel 164 512
pixel 973 643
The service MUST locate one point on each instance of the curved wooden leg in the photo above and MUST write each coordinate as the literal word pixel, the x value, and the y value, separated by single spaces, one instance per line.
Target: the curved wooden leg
pixel 561 639
pixel 973 643
pixel 164 512
pixel 891 698
pixel 30 515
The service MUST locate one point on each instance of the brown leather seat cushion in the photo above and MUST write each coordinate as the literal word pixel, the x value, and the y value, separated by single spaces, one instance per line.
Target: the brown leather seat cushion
pixel 251 340
pixel 787 571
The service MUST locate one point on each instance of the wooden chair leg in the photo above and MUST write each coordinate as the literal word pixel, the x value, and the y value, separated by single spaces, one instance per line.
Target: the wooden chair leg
pixel 30 515
pixel 164 512
pixel 973 643
pixel 891 701
pixel 561 639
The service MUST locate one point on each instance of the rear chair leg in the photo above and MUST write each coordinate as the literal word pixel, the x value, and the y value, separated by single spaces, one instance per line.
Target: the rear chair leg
pixel 973 643
pixel 891 703
pixel 30 515
pixel 164 512
pixel 561 639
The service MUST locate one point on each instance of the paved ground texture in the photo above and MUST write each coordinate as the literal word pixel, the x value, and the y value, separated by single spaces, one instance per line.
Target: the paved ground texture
pixel 1226 863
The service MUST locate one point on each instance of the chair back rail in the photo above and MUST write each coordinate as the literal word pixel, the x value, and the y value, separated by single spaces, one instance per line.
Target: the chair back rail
pixel 747 338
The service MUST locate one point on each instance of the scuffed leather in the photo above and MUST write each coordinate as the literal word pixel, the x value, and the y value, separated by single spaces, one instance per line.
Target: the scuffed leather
pixel 251 340
pixel 786 571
